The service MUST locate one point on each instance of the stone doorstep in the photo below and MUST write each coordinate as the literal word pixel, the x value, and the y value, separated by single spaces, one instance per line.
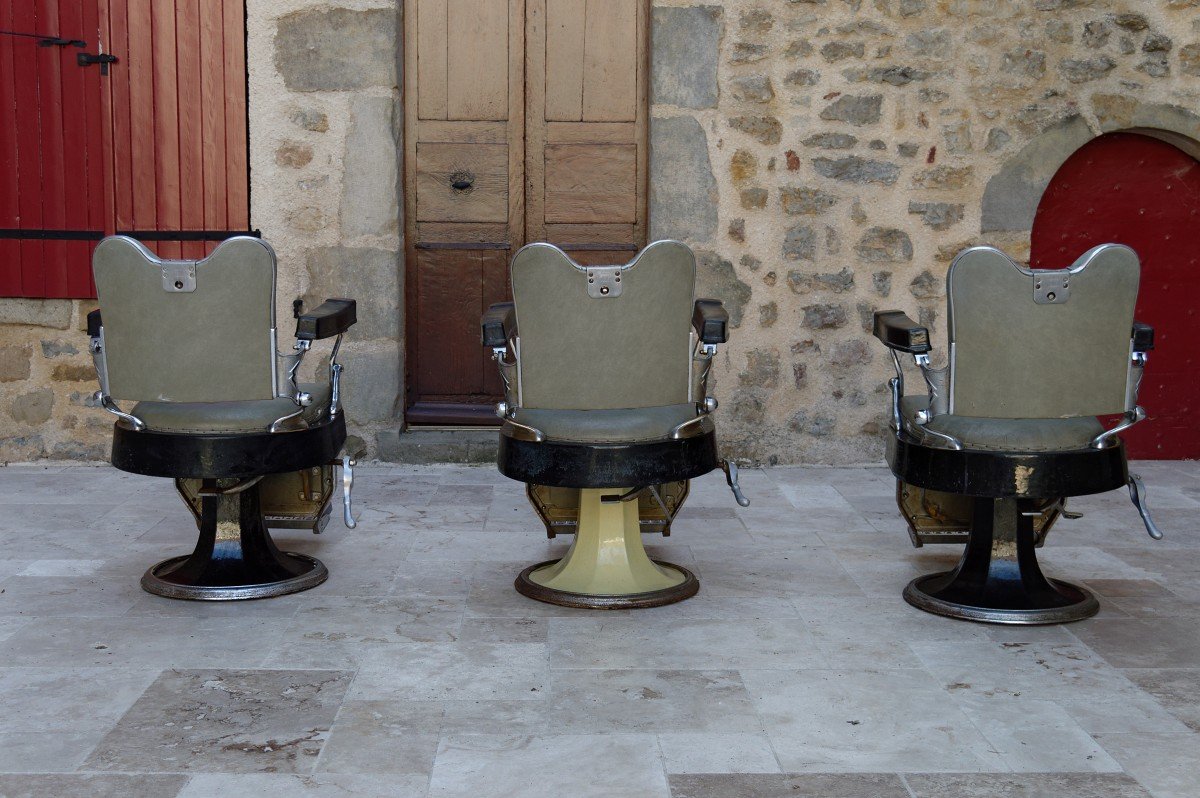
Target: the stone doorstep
pixel 423 446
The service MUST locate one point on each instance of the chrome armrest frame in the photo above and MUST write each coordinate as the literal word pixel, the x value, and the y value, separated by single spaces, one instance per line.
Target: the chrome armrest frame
pixel 1131 417
pixel 702 357
pixel 524 432
pixel 101 397
pixel 289 388
pixel 896 384
pixel 335 380
pixel 508 373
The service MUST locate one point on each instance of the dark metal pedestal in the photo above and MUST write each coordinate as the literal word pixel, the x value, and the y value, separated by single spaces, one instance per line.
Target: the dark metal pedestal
pixel 998 579
pixel 235 557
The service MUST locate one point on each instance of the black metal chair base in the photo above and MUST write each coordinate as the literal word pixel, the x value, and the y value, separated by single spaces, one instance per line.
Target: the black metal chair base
pixel 564 464
pixel 631 601
pixel 1076 603
pixel 998 579
pixel 235 557
pixel 160 580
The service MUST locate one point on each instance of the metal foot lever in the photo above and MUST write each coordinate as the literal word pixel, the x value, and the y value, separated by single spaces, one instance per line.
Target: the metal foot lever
pixel 1137 494
pixel 731 476
pixel 347 486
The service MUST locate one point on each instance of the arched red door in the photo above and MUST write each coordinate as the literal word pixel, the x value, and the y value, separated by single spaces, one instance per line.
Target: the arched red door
pixel 1140 191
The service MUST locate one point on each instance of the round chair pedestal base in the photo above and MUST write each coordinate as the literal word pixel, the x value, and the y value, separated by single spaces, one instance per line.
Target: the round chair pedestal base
pixel 235 557
pixel 607 566
pixel 160 580
pixel 998 579
pixel 687 588
pixel 1077 603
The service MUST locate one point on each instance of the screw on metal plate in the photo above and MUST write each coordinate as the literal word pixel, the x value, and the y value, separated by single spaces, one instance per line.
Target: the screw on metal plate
pixel 604 281
pixel 179 277
pixel 1051 287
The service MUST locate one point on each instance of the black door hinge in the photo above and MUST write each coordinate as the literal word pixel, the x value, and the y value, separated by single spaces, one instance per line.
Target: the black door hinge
pixel 103 59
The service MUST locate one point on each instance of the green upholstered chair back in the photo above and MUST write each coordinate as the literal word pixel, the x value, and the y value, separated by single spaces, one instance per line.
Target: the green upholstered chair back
pixel 1040 343
pixel 586 348
pixel 214 343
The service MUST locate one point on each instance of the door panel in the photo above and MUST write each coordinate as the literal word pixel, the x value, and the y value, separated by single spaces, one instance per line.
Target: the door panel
pixel 586 117
pixel 514 133
pixel 462 182
pixel 591 183
pixel 1137 190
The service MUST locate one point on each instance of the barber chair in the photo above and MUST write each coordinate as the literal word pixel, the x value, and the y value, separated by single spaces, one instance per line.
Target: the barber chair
pixel 1008 430
pixel 606 415
pixel 218 409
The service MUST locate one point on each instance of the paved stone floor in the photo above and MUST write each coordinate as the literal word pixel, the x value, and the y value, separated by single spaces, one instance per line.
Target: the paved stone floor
pixel 416 670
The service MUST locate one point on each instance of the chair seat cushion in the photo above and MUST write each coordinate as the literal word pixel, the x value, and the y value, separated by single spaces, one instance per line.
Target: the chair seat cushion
pixel 1007 434
pixel 607 426
pixel 232 417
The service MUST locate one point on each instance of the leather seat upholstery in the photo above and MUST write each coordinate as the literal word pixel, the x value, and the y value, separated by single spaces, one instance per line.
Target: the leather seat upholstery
pixel 234 417
pixel 1006 434
pixel 608 426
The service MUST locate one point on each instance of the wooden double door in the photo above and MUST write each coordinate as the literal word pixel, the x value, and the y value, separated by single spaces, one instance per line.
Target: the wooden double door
pixel 525 120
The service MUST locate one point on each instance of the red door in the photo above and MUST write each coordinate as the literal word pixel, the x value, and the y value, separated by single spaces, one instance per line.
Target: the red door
pixel 52 200
pixel 1140 191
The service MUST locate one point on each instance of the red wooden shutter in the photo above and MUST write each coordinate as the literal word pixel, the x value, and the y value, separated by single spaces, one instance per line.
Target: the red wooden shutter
pixel 156 148
pixel 51 148
pixel 178 109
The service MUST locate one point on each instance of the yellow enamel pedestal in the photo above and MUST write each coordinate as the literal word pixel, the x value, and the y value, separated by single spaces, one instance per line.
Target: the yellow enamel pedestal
pixel 607 566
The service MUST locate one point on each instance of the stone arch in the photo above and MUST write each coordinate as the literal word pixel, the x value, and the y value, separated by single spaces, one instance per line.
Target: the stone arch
pixel 1012 194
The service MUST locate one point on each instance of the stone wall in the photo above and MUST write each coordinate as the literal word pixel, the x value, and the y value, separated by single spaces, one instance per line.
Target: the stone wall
pixel 325 139
pixel 829 157
pixel 825 158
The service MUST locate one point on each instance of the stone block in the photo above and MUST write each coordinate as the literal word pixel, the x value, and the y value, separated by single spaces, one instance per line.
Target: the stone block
pixel 683 191
pixel 14 363
pixel 686 45
pixel 371 385
pixel 806 201
pixel 716 277
pixel 763 129
pixel 1012 195
pixel 337 49
pixel 853 169
pixel 369 276
pixel 800 243
pixel 752 88
pixel 33 408
pixel 855 110
pixel 54 313
pixel 370 193
pixel 419 446
pixel 884 245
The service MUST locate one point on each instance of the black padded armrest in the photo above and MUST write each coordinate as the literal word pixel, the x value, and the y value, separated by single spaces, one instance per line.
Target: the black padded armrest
pixel 897 331
pixel 499 324
pixel 332 317
pixel 94 323
pixel 1143 337
pixel 711 321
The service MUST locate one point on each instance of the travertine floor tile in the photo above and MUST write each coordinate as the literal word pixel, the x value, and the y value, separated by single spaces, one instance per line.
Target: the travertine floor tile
pixel 226 721
pixel 580 766
pixel 802 785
